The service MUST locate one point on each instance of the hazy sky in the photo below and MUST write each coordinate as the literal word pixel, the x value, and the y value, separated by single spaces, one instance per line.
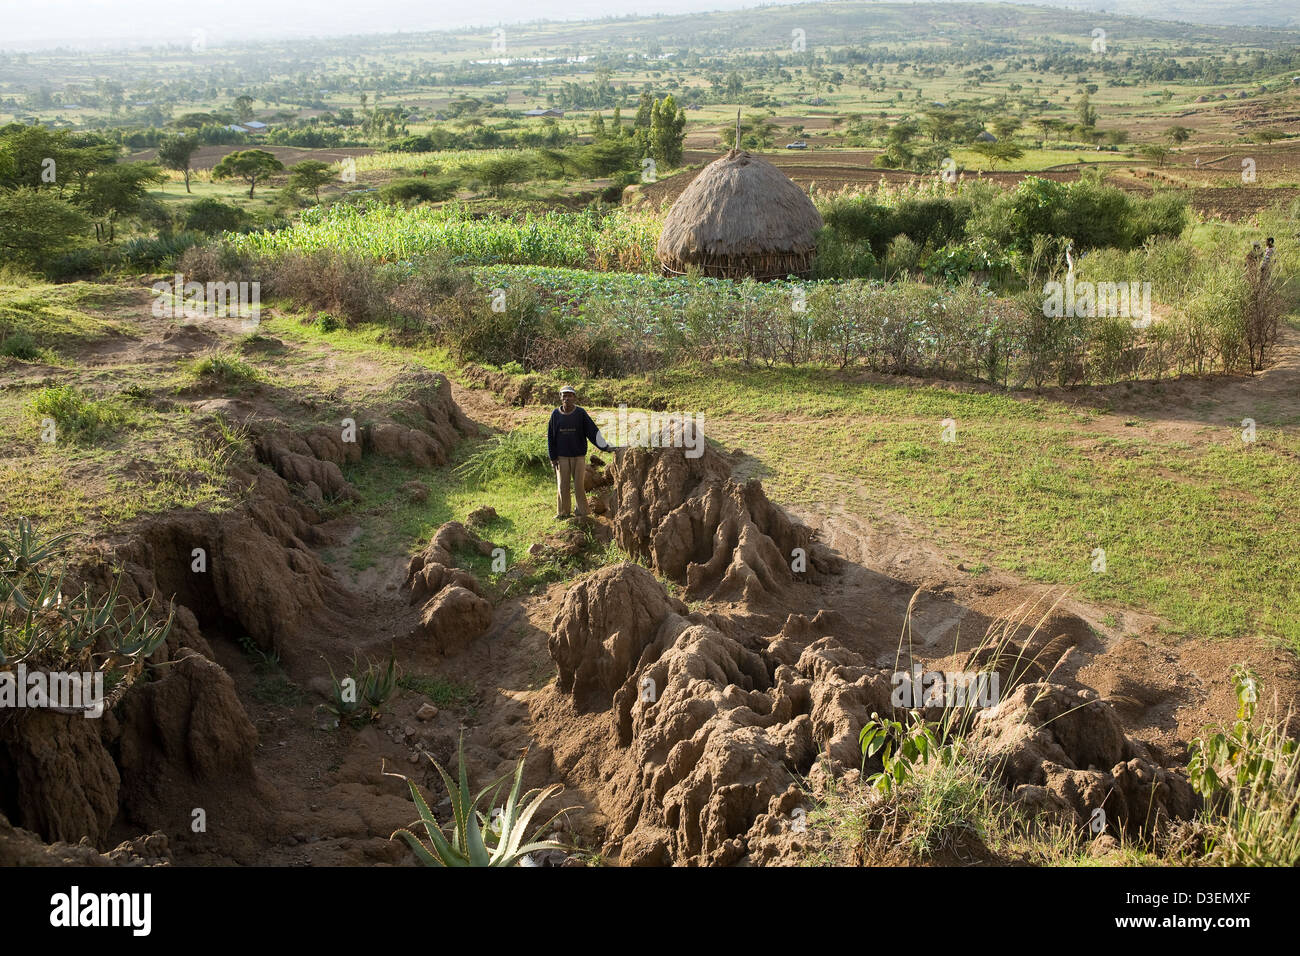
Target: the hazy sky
pixel 35 24
pixel 27 24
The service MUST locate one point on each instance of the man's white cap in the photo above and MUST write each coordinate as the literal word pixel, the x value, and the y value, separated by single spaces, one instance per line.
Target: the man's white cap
pixel 568 390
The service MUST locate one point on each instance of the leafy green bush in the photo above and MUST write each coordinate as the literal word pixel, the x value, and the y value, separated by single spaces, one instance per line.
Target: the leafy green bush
pixel 877 221
pixel 419 190
pixel 81 261
pixel 20 345
pixel 75 414
pixel 499 172
pixel 901 748
pixel 503 325
pixel 902 255
pixel 157 252
pixel 1086 211
pixel 842 258
pixel 1249 776
pixel 211 216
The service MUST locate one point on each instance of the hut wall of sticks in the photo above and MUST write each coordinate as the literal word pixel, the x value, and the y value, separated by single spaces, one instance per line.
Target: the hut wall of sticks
pixel 741 216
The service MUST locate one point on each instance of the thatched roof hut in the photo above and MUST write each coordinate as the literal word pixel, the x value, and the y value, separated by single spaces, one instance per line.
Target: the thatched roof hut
pixel 741 216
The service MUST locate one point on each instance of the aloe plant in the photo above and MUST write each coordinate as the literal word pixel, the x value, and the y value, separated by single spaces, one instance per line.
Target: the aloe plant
pixel 373 685
pixel 22 550
pixel 474 841
pixel 42 626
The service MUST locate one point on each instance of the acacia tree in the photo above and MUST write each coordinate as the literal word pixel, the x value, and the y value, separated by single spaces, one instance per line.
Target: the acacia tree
pixel 35 225
pixel 115 191
pixel 1155 151
pixel 310 174
pixel 176 152
pixel 1001 152
pixel 1006 126
pixel 250 165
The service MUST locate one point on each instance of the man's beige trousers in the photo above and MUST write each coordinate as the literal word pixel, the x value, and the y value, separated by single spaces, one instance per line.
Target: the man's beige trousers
pixel 570 473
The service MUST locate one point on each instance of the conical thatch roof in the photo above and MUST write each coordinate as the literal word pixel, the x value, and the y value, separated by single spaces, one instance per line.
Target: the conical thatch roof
pixel 741 216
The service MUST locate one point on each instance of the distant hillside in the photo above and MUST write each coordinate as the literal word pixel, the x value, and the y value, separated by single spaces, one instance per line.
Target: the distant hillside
pixel 1247 13
pixel 840 22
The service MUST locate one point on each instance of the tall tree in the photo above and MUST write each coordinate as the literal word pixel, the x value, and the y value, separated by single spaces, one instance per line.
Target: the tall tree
pixel 644 106
pixel 310 174
pixel 250 165
pixel 667 131
pixel 116 191
pixel 1085 112
pixel 176 153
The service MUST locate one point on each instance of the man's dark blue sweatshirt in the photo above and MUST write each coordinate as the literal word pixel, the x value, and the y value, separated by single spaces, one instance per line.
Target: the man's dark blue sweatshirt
pixel 566 435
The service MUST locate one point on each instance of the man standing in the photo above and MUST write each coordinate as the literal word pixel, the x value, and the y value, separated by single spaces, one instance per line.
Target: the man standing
pixel 566 445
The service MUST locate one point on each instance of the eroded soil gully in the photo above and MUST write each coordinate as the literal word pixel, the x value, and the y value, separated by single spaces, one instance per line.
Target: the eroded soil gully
pixel 762 673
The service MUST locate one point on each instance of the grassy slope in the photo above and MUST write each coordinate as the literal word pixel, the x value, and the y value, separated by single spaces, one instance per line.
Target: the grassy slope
pixel 1198 534
pixel 163 456
pixel 1202 534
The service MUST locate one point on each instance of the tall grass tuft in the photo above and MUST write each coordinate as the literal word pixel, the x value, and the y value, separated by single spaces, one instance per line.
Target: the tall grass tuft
pixel 518 452
pixel 226 369
pixel 1250 777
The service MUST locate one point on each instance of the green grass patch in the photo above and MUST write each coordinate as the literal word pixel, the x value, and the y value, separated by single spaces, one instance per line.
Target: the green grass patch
pixel 518 452
pixel 76 416
pixel 225 369
pixel 57 317
pixel 1203 535
pixel 396 525
pixel 168 458
pixel 443 691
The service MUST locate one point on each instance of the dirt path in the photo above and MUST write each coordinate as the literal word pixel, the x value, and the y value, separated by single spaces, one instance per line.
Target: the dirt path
pixel 1199 410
